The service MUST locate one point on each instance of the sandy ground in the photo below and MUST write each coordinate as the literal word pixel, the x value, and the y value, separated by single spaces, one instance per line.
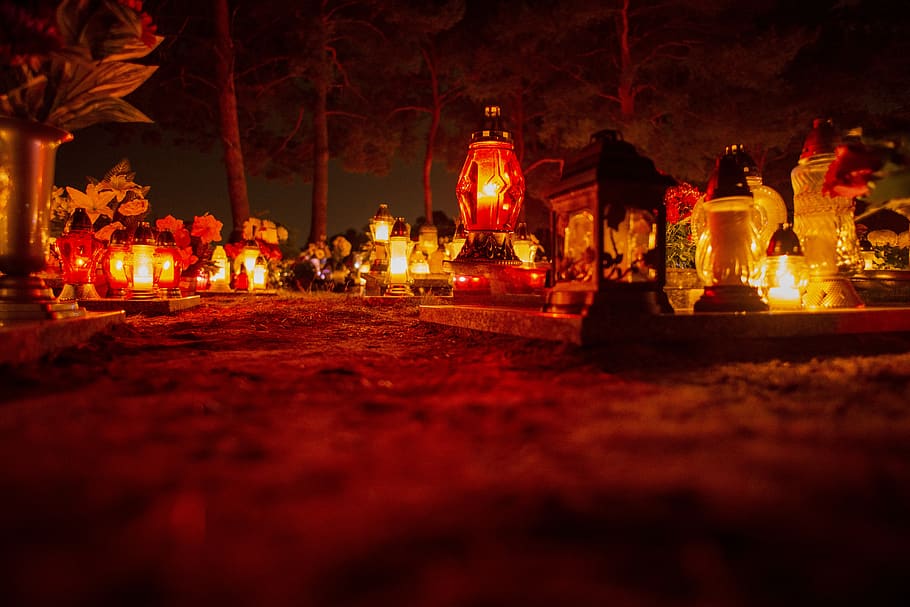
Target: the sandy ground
pixel 312 450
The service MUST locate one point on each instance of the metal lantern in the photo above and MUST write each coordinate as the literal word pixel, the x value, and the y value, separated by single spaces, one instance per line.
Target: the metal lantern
pixel 490 192
pixel 171 266
pixel 114 263
pixel 399 243
pixel 78 248
pixel 143 267
pixel 380 227
pixel 609 230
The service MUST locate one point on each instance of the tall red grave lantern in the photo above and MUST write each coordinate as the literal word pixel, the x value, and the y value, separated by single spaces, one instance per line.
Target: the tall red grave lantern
pixel 609 231
pixel 490 191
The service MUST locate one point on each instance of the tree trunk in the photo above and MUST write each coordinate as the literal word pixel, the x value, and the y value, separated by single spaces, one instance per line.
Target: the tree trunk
pixel 230 129
pixel 319 217
pixel 428 166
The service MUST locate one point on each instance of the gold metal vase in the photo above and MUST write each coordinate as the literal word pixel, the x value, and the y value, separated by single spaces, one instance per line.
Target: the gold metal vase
pixel 27 155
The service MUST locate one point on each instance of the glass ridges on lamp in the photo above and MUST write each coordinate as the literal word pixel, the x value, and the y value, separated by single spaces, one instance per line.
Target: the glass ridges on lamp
pixel 824 224
pixel 728 250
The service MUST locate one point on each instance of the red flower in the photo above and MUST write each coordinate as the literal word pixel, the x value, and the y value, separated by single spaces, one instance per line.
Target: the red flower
pixel 850 173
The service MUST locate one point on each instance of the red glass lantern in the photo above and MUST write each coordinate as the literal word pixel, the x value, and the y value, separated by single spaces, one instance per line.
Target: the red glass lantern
pixel 78 248
pixel 142 265
pixel 114 263
pixel 490 191
pixel 171 266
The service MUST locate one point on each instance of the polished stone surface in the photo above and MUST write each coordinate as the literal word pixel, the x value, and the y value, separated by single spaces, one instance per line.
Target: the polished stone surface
pixel 27 341
pixel 577 329
pixel 149 307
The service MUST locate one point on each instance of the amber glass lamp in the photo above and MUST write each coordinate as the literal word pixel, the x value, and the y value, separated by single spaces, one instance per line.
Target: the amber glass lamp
pixel 220 280
pixel 114 263
pixel 171 266
pixel 785 273
pixel 142 264
pixel 380 227
pixel 490 191
pixel 260 274
pixel 77 246
pixel 249 255
pixel 399 243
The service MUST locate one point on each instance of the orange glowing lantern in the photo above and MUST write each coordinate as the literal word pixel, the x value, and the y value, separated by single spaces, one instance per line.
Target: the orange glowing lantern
pixel 142 264
pixel 490 191
pixel 260 274
pixel 77 246
pixel 171 266
pixel 785 274
pixel 399 243
pixel 249 254
pixel 114 263
pixel 380 227
pixel 220 280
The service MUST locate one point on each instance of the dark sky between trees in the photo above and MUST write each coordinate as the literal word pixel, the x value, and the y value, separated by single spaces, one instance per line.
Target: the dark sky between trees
pixel 699 74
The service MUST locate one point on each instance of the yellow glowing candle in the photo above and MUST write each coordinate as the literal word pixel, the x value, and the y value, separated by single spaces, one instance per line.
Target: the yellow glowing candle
pixel 143 267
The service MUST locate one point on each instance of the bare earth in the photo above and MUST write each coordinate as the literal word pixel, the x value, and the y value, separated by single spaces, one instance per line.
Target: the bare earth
pixel 314 450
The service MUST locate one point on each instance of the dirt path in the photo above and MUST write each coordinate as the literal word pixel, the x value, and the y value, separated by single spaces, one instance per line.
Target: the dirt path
pixel 316 451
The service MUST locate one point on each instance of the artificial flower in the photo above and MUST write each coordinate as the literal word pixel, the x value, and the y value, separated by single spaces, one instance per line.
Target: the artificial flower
pixel 104 234
pixel 92 200
pixel 170 223
pixel 134 207
pixel 207 228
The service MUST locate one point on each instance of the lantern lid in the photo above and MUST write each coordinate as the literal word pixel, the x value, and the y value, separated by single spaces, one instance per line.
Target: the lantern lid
pixel 79 221
pixel 383 214
pixel 728 179
pixel 143 234
pixel 120 236
pixel 400 229
pixel 166 239
pixel 521 231
pixel 822 139
pixel 608 158
pixel 493 128
pixel 784 241
pixel 744 159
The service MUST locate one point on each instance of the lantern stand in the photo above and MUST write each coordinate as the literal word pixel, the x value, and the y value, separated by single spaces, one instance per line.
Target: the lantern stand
pixel 609 230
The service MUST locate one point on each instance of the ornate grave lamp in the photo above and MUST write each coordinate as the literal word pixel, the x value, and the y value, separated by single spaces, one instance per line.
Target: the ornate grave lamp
pixel 380 227
pixel 260 274
pixel 610 232
pixel 399 241
pixel 78 249
pixel 220 281
pixel 785 274
pixel 171 267
pixel 490 192
pixel 249 254
pixel 824 224
pixel 143 267
pixel 114 263
pixel 728 252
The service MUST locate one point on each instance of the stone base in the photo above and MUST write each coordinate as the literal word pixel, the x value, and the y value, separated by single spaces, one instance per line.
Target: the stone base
pixel 684 327
pixel 149 307
pixel 493 283
pixel 29 341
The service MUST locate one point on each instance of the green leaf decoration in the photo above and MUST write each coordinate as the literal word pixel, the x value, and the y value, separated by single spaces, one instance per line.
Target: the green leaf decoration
pixel 93 111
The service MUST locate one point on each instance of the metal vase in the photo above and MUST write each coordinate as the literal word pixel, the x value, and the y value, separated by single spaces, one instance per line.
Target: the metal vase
pixel 27 155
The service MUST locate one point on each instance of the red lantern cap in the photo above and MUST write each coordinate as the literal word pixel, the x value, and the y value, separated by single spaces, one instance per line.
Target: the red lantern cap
pixel 728 179
pixel 400 228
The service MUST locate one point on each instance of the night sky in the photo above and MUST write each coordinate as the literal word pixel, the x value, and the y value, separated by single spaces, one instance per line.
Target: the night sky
pixel 186 182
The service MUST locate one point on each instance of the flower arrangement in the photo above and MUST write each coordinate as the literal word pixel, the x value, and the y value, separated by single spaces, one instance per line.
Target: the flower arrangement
pixel 874 169
pixel 114 202
pixel 69 63
pixel 196 241
pixel 324 267
pixel 680 200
